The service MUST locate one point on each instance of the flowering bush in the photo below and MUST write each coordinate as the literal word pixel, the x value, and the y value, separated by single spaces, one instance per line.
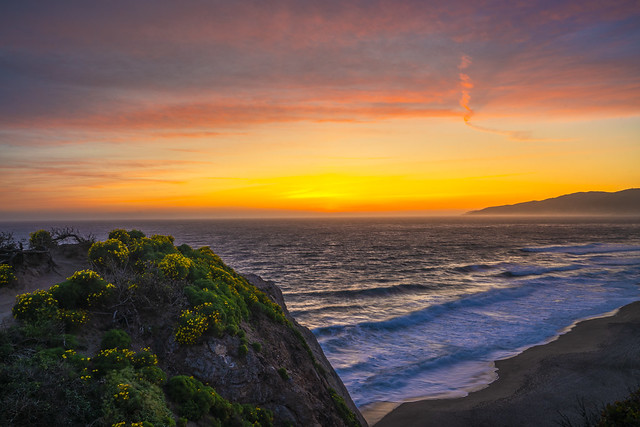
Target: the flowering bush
pixel 220 298
pixel 110 254
pixel 119 358
pixel 65 302
pixel 41 239
pixel 130 401
pixel 191 326
pixel 72 318
pixel 144 358
pixel 165 242
pixel 175 266
pixel 120 234
pixel 111 359
pixel 84 288
pixel 6 275
pixel 35 306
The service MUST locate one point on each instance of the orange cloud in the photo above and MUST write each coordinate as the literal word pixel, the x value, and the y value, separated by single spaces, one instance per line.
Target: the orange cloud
pixel 465 99
pixel 207 116
pixel 100 108
pixel 466 85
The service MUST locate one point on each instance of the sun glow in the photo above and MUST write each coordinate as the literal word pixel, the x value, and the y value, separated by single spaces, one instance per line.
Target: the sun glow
pixel 312 109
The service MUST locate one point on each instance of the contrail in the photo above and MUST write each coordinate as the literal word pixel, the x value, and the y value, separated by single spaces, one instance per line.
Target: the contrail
pixel 467 85
pixel 465 98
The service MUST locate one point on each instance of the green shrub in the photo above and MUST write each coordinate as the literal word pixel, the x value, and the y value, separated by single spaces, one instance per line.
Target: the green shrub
pixel 233 329
pixel 72 319
pixel 41 240
pixel 83 289
pixel 243 350
pixel 35 307
pixel 120 358
pixel 144 358
pixel 622 413
pixel 111 359
pixel 194 398
pixel 129 399
pixel 181 388
pixel 115 338
pixel 163 243
pixel 256 346
pixel 136 234
pixel 48 357
pixel 205 253
pixel 345 413
pixel 191 326
pixel 70 341
pixel 120 234
pixel 44 331
pixel 197 296
pixel 223 308
pixel 152 374
pixel 255 415
pixel 186 250
pixel 6 275
pixel 109 254
pixel 284 374
pixel 150 249
pixel 43 391
pixel 175 266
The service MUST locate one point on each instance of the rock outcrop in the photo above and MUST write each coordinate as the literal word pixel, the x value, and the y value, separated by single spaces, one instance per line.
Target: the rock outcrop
pixel 278 372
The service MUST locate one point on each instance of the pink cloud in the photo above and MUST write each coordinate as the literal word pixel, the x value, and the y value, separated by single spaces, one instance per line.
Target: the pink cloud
pixel 214 67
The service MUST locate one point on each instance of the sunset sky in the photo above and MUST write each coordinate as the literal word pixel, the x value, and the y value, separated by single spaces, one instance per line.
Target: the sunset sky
pixel 267 108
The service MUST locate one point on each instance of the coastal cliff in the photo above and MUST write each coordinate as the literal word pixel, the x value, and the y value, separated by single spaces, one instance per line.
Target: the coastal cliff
pixel 146 333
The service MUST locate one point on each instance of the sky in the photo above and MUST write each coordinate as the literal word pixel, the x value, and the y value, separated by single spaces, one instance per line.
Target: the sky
pixel 204 109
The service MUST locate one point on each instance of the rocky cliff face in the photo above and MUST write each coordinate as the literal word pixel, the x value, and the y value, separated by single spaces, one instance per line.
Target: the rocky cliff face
pixel 278 372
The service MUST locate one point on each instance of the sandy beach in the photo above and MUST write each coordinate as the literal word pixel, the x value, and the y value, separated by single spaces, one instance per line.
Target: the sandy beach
pixel 558 383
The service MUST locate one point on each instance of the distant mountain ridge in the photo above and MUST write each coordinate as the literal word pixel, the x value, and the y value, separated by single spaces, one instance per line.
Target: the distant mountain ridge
pixel 593 203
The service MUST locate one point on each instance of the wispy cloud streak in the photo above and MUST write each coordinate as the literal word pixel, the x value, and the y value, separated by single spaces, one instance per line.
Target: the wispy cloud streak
pixel 466 84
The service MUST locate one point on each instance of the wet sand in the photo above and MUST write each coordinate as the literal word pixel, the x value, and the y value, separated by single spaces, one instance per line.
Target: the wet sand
pixel 559 383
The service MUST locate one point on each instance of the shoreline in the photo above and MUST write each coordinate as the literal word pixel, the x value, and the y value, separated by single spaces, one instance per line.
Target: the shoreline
pixel 590 363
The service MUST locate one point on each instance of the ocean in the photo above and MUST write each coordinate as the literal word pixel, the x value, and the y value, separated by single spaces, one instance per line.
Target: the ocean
pixel 408 308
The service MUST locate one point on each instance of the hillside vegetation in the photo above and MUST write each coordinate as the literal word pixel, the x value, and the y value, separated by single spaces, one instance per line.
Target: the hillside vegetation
pixel 158 335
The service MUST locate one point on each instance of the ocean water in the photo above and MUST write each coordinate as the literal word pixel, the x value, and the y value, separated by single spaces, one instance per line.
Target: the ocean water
pixel 414 308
